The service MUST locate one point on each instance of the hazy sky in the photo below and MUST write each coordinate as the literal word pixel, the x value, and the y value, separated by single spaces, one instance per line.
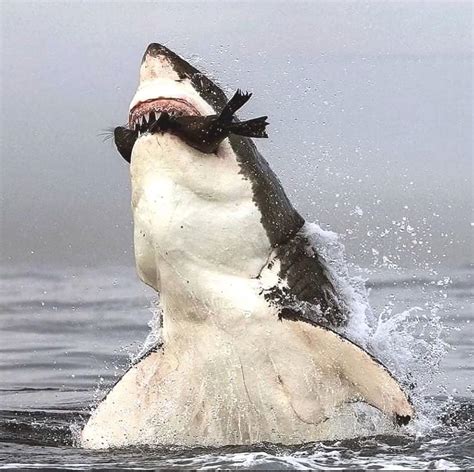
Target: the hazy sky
pixel 370 106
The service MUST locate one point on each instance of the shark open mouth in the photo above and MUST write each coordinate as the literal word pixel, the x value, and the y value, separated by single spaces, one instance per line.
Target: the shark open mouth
pixel 143 114
pixel 181 118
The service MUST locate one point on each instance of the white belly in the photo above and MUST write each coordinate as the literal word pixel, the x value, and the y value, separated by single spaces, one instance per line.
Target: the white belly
pixel 260 381
pixel 198 236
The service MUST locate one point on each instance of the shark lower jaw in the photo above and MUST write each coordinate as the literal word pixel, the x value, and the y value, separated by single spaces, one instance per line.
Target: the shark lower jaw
pixel 144 113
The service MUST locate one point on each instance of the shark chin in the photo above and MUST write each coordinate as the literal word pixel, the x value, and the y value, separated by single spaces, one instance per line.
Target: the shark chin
pixel 251 347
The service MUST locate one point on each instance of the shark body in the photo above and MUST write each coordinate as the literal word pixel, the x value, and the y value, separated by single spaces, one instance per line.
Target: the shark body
pixel 249 353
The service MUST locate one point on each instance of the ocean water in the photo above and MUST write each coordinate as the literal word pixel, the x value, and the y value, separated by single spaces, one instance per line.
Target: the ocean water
pixel 67 335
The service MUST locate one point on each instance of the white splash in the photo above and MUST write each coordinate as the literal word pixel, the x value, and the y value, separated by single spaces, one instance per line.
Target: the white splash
pixel 351 288
pixel 154 337
pixel 410 343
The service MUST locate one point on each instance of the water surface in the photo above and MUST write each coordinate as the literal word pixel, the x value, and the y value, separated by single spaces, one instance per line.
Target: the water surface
pixel 68 335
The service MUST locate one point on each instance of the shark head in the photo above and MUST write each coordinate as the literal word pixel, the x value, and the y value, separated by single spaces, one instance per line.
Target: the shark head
pixel 170 84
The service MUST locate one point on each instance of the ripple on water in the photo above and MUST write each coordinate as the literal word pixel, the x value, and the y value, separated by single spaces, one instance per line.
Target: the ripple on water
pixel 50 379
pixel 46 439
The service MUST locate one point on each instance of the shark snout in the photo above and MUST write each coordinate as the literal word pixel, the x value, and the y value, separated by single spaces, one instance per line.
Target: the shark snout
pixel 163 74
pixel 159 62
pixel 155 50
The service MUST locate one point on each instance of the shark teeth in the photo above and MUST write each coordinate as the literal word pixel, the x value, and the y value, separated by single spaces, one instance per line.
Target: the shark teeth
pixel 146 113
pixel 142 122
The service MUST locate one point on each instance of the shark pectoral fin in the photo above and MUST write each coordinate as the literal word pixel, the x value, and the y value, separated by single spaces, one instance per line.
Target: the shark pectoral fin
pixel 350 373
pixel 367 379
pixel 376 386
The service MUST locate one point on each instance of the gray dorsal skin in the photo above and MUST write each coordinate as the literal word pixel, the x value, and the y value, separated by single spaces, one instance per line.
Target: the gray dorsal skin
pixel 301 266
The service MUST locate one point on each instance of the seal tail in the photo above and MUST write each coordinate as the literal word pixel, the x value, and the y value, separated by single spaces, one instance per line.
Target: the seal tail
pixel 254 128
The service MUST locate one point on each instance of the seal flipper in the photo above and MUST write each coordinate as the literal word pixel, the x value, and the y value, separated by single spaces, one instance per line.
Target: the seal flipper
pixel 125 140
pixel 254 128
pixel 238 100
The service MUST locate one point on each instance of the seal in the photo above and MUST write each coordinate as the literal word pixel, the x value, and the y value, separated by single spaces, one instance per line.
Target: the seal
pixel 250 351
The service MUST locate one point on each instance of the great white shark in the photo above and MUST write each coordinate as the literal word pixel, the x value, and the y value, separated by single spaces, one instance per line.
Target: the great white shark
pixel 251 348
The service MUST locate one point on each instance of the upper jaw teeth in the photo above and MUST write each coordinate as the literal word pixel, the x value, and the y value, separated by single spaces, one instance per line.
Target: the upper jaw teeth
pixel 153 115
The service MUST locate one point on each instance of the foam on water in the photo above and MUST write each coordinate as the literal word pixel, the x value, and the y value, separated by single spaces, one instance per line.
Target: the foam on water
pixel 154 337
pixel 410 343
pixel 351 288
